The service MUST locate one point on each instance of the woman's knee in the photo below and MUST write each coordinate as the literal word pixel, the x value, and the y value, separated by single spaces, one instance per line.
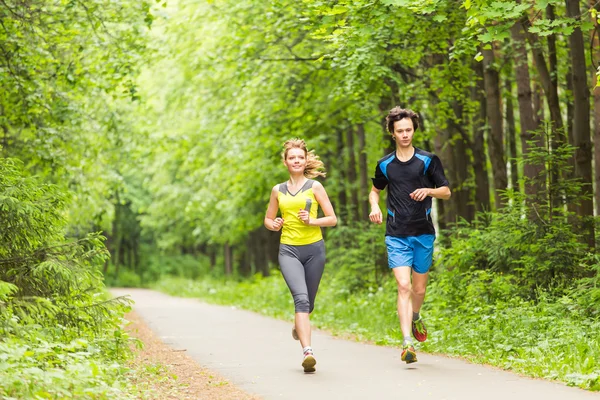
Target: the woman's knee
pixel 302 304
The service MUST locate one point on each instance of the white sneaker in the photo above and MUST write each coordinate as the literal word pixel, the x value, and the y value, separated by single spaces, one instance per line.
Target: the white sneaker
pixel 309 362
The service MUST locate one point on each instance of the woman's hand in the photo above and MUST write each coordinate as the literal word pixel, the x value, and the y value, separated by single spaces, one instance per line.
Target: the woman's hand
pixel 277 223
pixel 304 216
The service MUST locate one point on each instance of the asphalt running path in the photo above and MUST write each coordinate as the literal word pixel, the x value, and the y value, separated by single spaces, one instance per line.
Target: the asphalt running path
pixel 258 355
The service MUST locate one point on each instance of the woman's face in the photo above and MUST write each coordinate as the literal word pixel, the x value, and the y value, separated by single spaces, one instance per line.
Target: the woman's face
pixel 295 161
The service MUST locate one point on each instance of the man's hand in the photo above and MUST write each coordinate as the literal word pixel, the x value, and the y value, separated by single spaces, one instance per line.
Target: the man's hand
pixel 420 194
pixel 376 215
pixel 277 223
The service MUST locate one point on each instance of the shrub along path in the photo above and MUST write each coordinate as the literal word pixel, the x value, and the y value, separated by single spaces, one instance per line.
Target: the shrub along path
pixel 259 355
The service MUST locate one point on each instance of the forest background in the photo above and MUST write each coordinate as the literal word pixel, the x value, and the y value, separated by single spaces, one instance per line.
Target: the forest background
pixel 139 142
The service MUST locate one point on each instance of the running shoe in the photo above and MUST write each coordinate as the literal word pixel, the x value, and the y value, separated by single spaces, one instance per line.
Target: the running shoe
pixel 309 362
pixel 295 334
pixel 408 354
pixel 418 330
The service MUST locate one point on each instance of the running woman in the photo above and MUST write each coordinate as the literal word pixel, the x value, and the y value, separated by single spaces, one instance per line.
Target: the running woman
pixel 301 249
pixel 412 176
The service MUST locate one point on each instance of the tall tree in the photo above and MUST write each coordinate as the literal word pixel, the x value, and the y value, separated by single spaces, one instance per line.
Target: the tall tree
pixel 511 133
pixel 527 114
pixel 595 56
pixel 581 122
pixel 479 128
pixel 494 114
pixel 350 152
pixel 362 171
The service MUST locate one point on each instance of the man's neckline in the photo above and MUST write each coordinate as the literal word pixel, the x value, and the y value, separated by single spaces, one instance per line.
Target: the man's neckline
pixel 409 158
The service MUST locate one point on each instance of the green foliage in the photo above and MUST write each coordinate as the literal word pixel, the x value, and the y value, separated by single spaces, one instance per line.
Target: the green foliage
pixel 357 250
pixel 156 265
pixel 536 255
pixel 42 363
pixel 68 70
pixel 586 290
pixel 480 315
pixel 61 335
pixel 531 239
pixel 46 280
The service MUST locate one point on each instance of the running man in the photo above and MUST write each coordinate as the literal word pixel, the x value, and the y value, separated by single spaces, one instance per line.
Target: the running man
pixel 301 249
pixel 413 176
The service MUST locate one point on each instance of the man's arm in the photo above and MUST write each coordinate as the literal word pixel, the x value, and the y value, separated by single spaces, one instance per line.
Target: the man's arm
pixel 442 193
pixel 375 215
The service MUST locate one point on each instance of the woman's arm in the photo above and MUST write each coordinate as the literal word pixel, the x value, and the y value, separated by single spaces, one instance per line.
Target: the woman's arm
pixel 272 222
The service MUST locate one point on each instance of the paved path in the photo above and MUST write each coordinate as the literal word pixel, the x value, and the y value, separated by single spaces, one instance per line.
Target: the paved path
pixel 259 355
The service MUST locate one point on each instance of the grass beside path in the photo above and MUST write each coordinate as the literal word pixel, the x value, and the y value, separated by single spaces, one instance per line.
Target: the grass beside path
pixel 538 340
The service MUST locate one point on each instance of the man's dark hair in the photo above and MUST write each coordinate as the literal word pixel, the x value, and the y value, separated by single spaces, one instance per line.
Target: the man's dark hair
pixel 397 113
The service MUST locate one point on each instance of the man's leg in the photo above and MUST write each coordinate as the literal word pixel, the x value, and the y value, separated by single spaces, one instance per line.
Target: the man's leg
pixel 423 257
pixel 400 260
pixel 419 287
pixel 402 275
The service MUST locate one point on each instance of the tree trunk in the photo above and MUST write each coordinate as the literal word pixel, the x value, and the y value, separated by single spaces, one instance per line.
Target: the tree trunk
pixel 108 245
pixel 363 172
pixel 552 54
pixel 461 192
pixel 482 181
pixel 581 121
pixel 527 115
pixel 271 249
pixel 342 196
pixel 212 255
pixel 228 257
pixel 570 107
pixel 596 90
pixel 494 114
pixel 550 89
pixel 352 177
pixel 511 133
pixel 442 208
pixel 551 92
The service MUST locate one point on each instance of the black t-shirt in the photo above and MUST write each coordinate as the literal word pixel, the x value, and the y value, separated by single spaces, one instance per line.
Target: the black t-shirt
pixel 407 217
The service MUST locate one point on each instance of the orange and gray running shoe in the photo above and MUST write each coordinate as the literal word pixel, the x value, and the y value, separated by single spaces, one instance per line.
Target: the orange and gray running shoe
pixel 408 354
pixel 418 330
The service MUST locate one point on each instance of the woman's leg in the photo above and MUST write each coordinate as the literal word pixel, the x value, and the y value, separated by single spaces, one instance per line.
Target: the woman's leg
pixel 314 266
pixel 294 275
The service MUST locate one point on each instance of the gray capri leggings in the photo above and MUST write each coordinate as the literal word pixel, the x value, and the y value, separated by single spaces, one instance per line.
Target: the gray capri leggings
pixel 302 268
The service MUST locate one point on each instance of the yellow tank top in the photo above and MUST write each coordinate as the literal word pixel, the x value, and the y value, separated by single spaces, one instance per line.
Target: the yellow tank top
pixel 295 232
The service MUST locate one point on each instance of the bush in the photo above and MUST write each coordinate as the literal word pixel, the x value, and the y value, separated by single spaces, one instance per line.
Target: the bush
pixel 538 255
pixel 356 255
pixel 61 335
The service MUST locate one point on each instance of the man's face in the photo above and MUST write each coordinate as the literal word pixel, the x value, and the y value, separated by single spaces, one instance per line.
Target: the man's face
pixel 403 132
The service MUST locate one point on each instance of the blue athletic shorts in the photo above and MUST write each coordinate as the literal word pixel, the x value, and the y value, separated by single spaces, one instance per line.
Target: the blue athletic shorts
pixel 410 251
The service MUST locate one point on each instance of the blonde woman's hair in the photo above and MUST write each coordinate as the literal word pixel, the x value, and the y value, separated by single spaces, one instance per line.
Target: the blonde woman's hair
pixel 314 165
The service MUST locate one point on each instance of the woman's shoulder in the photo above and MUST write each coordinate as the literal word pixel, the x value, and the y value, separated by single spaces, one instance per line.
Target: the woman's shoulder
pixel 316 184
